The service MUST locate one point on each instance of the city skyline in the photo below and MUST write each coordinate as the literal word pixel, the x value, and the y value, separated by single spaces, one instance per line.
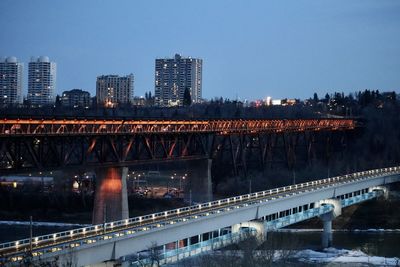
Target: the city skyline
pixel 250 50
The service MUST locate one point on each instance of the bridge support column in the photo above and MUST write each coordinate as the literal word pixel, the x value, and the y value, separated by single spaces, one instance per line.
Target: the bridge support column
pixel 124 194
pixel 199 181
pixel 327 219
pixel 258 226
pixel 111 196
pixel 105 264
pixel 209 181
pixel 327 237
pixel 384 189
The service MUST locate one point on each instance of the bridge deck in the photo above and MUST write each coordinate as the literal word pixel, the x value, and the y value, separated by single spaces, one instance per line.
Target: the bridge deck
pixel 219 241
pixel 65 241
pixel 97 127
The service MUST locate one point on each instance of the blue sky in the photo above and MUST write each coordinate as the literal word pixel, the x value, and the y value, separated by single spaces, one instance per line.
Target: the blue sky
pixel 250 49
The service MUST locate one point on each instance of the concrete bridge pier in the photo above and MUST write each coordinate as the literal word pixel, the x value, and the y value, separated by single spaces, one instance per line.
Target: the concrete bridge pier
pixel 327 219
pixel 111 196
pixel 258 226
pixel 382 188
pixel 105 264
pixel 327 237
pixel 199 183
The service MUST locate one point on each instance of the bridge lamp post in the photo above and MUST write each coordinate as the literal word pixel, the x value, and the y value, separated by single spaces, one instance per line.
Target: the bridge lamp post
pixel 180 182
pixel 172 178
pixel 30 236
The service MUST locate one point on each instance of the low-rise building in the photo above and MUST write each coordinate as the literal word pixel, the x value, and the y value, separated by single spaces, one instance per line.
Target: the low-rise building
pixel 76 98
pixel 114 90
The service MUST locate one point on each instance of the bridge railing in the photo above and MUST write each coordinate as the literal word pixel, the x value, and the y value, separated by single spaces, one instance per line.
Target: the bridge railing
pixel 146 219
pixel 9 127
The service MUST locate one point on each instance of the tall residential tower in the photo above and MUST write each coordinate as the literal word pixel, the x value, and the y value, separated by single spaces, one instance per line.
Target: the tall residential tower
pixel 41 81
pixel 11 72
pixel 113 90
pixel 173 76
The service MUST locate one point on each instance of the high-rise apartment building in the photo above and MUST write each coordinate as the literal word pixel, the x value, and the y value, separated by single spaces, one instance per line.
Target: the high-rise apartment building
pixel 173 76
pixel 11 73
pixel 41 81
pixel 76 98
pixel 113 90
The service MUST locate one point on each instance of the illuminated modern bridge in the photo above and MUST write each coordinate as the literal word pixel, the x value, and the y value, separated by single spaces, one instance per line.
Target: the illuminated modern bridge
pixel 200 228
pixel 55 143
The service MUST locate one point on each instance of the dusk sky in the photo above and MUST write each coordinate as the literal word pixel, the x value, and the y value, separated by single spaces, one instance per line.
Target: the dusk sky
pixel 250 49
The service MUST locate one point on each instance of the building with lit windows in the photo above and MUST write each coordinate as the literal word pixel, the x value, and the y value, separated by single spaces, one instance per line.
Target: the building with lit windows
pixel 113 90
pixel 11 73
pixel 76 98
pixel 41 81
pixel 173 76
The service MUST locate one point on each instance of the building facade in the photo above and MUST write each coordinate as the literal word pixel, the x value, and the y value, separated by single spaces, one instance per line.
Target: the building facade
pixel 76 98
pixel 41 81
pixel 11 75
pixel 114 90
pixel 173 76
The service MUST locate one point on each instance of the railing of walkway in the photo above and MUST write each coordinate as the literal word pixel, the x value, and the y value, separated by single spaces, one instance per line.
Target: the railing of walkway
pixel 175 255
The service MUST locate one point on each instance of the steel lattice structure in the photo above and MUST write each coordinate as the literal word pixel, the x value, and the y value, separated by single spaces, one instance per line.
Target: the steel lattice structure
pixel 39 144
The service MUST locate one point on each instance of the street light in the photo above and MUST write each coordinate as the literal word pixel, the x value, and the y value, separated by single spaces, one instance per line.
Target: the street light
pixel 180 182
pixel 172 178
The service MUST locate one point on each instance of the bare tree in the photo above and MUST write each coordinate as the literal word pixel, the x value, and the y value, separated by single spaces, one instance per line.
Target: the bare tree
pixel 155 255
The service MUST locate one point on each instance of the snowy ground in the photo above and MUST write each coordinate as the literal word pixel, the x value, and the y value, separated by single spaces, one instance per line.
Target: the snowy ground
pixel 332 255
pixel 308 257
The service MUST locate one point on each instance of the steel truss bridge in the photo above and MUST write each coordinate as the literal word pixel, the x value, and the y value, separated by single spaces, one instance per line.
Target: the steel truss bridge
pixel 264 211
pixel 49 143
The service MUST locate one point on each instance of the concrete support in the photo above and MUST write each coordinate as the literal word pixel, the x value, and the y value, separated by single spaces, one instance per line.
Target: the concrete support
pixel 258 226
pixel 327 218
pixel 209 181
pixel 124 194
pixel 327 234
pixel 104 264
pixel 382 188
pixel 199 181
pixel 111 196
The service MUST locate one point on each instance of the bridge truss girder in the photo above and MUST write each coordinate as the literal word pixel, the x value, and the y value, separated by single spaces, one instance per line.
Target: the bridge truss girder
pixel 267 150
pixel 262 149
pixel 47 152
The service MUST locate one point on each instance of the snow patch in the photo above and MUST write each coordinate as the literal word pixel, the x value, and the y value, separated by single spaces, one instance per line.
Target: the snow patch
pixel 333 255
